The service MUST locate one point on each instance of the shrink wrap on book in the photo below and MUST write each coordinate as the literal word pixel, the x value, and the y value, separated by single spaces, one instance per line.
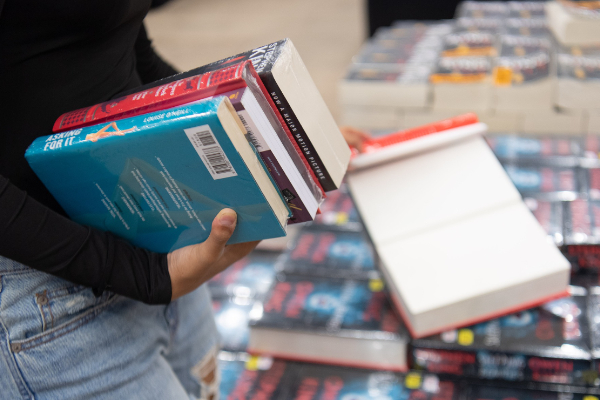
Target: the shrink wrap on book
pixel 159 179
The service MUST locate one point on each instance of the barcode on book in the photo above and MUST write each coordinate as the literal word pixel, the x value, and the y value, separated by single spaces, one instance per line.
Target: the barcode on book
pixel 210 151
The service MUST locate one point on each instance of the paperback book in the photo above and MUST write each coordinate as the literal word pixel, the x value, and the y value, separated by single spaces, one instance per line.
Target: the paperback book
pixel 159 179
pixel 342 322
pixel 330 253
pixel 550 343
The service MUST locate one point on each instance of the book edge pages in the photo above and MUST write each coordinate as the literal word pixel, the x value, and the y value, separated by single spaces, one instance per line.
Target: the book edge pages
pixel 332 149
pixel 235 130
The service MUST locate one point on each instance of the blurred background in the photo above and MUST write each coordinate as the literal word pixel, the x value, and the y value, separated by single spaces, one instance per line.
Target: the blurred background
pixel 190 33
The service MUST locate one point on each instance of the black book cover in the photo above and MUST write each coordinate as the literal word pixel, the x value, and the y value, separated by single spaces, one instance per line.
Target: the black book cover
pixel 249 277
pixel 313 382
pixel 330 253
pixel 487 392
pixel 263 59
pixel 339 212
pixel 336 307
pixel 549 343
pixel 252 378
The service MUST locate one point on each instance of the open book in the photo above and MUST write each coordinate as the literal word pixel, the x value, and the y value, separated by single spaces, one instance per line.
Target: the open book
pixel 456 243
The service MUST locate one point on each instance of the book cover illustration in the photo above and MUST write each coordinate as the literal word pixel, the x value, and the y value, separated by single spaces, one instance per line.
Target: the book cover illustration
pixel 522 59
pixel 330 253
pixel 535 27
pixel 469 43
pixel 527 10
pixel 578 64
pixel 248 377
pixel 558 150
pixel 157 180
pixel 250 277
pixel 339 211
pixel 550 216
pixel 487 392
pixel 461 70
pixel 314 382
pixel 545 181
pixel 231 316
pixel 549 343
pixel 480 9
pixel 579 222
pixel 329 306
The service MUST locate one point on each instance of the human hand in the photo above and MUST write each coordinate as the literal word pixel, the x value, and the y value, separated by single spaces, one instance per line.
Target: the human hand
pixel 354 137
pixel 191 266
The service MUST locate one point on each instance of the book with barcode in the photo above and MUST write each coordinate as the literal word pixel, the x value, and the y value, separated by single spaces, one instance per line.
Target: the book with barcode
pixel 330 321
pixel 159 179
pixel 550 343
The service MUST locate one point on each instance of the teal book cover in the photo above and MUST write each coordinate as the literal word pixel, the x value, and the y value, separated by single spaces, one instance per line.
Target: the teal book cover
pixel 157 180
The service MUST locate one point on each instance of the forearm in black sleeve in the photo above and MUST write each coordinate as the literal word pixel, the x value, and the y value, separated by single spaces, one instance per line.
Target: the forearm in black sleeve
pixel 150 66
pixel 40 238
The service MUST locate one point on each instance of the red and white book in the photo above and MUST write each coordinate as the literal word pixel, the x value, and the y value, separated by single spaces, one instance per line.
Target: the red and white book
pixel 456 243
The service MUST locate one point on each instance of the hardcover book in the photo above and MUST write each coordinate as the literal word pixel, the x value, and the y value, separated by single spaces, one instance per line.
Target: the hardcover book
pixel 327 253
pixel 545 344
pixel 343 322
pixel 159 179
pixel 250 277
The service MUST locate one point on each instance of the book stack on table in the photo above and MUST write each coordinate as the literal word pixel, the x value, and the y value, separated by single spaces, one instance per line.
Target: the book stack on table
pixel 509 62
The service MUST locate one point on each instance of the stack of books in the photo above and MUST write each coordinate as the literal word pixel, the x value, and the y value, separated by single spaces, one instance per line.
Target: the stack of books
pixel 574 23
pixel 154 166
pixel 506 61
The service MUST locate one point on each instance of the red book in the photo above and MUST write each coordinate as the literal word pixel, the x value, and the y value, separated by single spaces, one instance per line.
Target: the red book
pixel 180 92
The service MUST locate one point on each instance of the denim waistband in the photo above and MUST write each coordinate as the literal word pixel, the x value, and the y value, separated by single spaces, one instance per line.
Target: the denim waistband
pixel 8 265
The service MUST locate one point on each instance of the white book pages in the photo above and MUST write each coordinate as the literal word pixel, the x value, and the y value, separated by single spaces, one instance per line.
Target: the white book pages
pixel 401 198
pixel 473 269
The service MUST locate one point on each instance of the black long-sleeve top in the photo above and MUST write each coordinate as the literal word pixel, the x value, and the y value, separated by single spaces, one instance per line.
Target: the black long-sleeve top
pixel 57 56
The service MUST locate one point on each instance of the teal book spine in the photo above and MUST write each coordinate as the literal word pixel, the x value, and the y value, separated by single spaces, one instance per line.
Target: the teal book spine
pixel 157 180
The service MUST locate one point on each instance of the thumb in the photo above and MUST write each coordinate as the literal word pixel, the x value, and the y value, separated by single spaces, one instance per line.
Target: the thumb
pixel 222 229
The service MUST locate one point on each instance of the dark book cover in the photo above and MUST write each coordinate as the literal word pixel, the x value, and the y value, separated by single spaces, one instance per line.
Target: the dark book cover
pixel 550 216
pixel 549 343
pixel 545 181
pixel 250 277
pixel 469 43
pixel 487 392
pixel 231 316
pixel 330 253
pixel 252 378
pixel 312 382
pixel 338 212
pixel 551 149
pixel 331 306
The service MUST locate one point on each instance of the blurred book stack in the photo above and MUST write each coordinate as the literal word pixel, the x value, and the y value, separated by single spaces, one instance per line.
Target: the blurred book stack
pixel 518 65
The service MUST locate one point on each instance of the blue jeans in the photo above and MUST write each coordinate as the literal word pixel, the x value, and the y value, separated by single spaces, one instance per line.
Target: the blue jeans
pixel 58 341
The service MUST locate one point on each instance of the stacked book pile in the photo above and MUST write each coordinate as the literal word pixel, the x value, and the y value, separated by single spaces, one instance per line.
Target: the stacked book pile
pixel 506 61
pixel 155 165
pixel 314 322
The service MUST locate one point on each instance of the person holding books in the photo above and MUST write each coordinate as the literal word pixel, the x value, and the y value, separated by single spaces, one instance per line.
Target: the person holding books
pixel 116 312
